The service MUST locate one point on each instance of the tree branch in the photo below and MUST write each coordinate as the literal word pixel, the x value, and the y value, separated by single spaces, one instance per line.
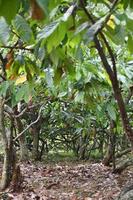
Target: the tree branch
pixel 34 122
pixel 112 73
pixel 101 34
pixel 17 47
pixel 3 66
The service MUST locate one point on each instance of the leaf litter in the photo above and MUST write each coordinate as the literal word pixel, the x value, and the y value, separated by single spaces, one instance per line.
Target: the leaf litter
pixel 69 181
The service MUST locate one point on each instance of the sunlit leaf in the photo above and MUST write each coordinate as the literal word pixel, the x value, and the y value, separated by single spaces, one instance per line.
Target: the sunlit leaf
pixel 48 30
pixel 21 79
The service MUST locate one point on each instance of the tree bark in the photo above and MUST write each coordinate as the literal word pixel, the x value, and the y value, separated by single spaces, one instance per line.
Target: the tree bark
pixel 111 71
pixel 117 91
pixel 9 154
pixel 35 134
pixel 22 142
pixel 110 154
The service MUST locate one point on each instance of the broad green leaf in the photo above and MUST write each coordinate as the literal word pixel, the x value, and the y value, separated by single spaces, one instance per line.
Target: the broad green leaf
pixel 95 28
pixel 32 66
pixel 131 4
pixel 23 29
pixel 15 68
pixel 81 27
pixel 49 78
pixel 130 43
pixel 39 52
pixel 68 13
pixel 48 30
pixel 20 94
pixel 44 5
pixel 23 93
pixel 4 31
pixel 4 87
pixel 91 68
pixel 79 97
pixel 27 93
pixel 53 12
pixel 55 57
pixel 111 111
pixel 58 75
pixel 56 38
pixel 9 8
pixel 117 35
pixel 129 23
pixel 62 94
pixel 125 3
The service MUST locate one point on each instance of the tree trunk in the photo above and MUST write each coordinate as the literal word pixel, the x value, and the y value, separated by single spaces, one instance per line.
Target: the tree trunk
pixel 110 155
pixel 112 73
pixel 23 147
pixel 8 168
pixel 35 135
pixel 123 113
pixel 9 154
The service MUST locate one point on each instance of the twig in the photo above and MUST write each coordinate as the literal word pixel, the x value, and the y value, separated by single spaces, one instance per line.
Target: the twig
pixel 17 47
pixel 4 79
pixel 34 122
pixel 3 66
pixel 21 113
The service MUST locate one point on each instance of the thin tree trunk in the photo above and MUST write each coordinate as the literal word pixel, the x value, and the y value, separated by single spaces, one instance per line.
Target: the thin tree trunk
pixel 9 156
pixel 110 155
pixel 35 135
pixel 123 113
pixel 117 92
pixel 23 147
pixel 111 71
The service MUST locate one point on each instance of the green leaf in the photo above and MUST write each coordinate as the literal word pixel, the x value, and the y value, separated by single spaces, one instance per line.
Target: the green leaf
pixel 131 4
pixel 129 23
pixel 80 97
pixel 20 94
pixel 4 31
pixel 81 27
pixel 4 87
pixel 130 43
pixel 44 5
pixel 62 94
pixel 39 52
pixel 15 68
pixel 23 93
pixel 27 93
pixel 111 111
pixel 8 9
pixel 125 3
pixel 48 30
pixel 58 75
pixel 56 38
pixel 95 28
pixel 23 29
pixel 68 13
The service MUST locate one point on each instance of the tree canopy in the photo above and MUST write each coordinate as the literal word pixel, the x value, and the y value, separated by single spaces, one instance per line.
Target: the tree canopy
pixel 66 68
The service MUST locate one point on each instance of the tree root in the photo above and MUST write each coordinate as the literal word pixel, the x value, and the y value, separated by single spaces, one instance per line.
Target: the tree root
pixel 123 166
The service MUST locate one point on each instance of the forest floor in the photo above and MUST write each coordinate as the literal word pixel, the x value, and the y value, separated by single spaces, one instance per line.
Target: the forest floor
pixel 69 181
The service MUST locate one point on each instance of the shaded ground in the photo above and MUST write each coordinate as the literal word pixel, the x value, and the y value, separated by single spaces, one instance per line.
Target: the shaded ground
pixel 70 182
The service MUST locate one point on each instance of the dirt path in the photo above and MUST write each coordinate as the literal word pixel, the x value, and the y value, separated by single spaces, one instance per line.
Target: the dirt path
pixel 70 182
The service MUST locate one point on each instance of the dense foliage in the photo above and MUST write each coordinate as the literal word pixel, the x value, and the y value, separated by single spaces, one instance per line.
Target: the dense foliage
pixel 66 78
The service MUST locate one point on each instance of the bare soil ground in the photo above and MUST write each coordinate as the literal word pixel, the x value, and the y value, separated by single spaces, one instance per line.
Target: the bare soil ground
pixel 69 181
